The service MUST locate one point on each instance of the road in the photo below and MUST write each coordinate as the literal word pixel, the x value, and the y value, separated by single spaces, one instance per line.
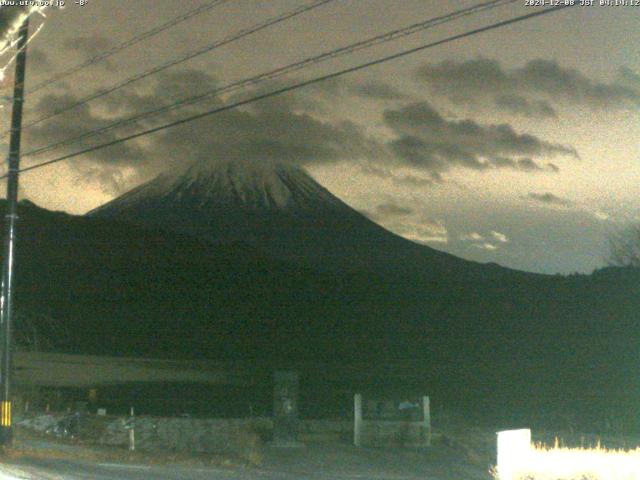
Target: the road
pixel 67 470
pixel 62 469
pixel 330 462
pixel 313 461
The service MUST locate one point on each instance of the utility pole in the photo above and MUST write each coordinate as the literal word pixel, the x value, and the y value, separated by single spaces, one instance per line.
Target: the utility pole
pixel 6 296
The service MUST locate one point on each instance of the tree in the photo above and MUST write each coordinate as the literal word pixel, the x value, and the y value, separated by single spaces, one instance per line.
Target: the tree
pixel 624 247
pixel 38 332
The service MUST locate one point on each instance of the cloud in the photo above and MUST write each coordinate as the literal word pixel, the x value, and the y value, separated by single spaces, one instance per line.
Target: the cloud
pixel 422 231
pixel 426 140
pixel 281 128
pixel 388 212
pixel 549 199
pixel 370 89
pixel 527 90
pixel 90 46
pixel 600 215
pixel 274 129
pixel 500 237
pixel 399 178
pixel 38 59
pixel 485 246
pixel 473 236
pixel 549 77
pixel 629 78
pixel 103 166
pixel 77 122
pixel 558 203
pixel 408 222
pixel 393 209
pixel 278 128
pixel 529 108
pixel 377 90
pixel 485 242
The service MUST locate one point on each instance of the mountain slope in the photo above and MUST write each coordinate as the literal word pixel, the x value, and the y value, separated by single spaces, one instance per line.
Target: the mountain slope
pixel 281 210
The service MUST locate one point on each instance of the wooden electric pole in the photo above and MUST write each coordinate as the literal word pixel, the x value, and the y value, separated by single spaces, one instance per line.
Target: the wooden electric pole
pixel 6 297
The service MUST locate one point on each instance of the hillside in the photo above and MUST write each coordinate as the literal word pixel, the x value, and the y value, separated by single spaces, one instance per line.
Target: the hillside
pixel 513 343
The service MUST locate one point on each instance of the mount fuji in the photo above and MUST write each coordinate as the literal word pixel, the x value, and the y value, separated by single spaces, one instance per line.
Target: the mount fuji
pixel 282 211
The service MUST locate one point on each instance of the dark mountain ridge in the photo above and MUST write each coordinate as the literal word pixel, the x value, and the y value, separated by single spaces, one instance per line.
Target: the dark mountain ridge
pixel 282 211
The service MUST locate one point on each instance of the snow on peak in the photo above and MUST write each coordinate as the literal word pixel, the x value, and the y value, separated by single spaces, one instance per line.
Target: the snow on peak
pixel 230 184
pixel 257 183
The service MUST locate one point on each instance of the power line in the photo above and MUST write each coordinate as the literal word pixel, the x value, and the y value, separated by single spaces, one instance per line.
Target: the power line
pixel 297 86
pixel 279 72
pixel 132 41
pixel 220 43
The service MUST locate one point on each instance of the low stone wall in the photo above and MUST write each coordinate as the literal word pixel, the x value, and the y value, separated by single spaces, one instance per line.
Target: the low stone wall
pixel 190 434
pixel 325 430
pixel 202 435
pixel 215 435
pixel 394 434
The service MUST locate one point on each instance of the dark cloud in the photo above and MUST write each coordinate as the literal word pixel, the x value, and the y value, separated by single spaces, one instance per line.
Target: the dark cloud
pixel 371 89
pixel 281 128
pixel 428 141
pixel 629 78
pixel 38 59
pixel 377 90
pixel 77 122
pixel 389 212
pixel 90 46
pixel 549 77
pixel 529 108
pixel 393 209
pixel 528 89
pixel 169 88
pixel 276 128
pixel 549 199
pixel 400 178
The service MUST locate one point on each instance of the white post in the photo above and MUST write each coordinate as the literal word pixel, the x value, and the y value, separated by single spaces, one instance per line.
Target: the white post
pixel 132 434
pixel 514 446
pixel 357 419
pixel 426 407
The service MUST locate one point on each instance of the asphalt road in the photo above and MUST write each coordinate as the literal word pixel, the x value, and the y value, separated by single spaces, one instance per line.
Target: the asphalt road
pixel 313 462
pixel 59 469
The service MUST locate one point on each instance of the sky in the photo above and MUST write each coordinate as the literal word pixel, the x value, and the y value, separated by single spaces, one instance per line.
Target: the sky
pixel 517 146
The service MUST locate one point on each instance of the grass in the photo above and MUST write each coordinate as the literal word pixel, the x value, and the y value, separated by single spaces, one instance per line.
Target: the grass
pixel 563 463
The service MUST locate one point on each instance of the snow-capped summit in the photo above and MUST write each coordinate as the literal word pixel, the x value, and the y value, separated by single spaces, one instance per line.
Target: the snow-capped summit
pixel 276 207
pixel 238 184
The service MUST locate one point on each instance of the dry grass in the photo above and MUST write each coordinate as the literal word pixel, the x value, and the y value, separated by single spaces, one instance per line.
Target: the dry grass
pixel 555 463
